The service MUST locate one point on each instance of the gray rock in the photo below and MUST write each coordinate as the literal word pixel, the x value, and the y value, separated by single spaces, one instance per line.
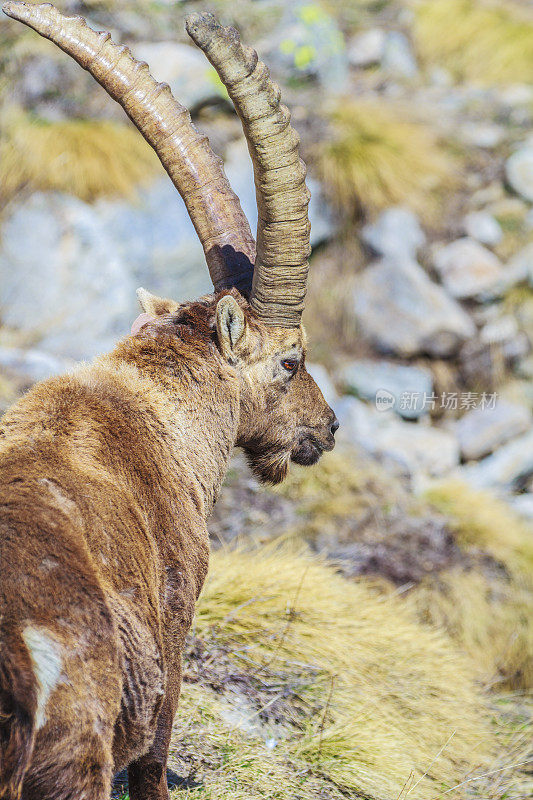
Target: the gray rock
pixel 325 384
pixel 34 364
pixel 525 368
pixel 398 57
pixel 417 449
pixel 484 227
pixel 396 232
pixel 518 94
pixel 423 449
pixel 521 264
pixel 366 48
pixel 63 280
pixel 186 70
pixel 518 269
pixel 406 390
pixel 358 422
pixel 522 504
pixel 519 172
pixel 482 430
pixel 484 135
pixel 440 77
pixel 156 239
pixel 508 468
pixel 402 311
pixel 467 269
pixel 500 330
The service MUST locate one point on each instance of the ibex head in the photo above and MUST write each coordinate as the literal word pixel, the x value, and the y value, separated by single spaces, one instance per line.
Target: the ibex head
pixel 256 311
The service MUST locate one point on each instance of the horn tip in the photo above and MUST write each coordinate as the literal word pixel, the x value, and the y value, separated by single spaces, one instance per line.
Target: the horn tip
pixel 200 21
pixel 203 27
pixel 13 8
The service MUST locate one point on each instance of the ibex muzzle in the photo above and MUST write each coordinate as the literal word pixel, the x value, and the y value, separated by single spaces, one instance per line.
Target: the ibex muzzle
pixel 107 475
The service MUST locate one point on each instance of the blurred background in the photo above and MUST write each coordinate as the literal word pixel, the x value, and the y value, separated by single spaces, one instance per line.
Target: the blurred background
pixel 368 627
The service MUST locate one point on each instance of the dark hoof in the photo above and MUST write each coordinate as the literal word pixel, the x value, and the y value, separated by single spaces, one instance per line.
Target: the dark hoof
pixel 120 783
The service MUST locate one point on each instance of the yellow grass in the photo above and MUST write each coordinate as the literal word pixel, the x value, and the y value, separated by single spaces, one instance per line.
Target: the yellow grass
pixel 490 619
pixel 482 521
pixel 487 610
pixel 477 41
pixel 85 158
pixel 375 158
pixel 387 698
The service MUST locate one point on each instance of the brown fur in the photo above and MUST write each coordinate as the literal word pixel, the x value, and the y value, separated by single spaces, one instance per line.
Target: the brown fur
pixel 107 477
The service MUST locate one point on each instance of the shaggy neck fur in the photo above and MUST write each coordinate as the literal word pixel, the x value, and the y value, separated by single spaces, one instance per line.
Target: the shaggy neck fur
pixel 193 390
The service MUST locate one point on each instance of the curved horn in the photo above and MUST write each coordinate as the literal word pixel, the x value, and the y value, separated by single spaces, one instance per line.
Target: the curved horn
pixel 283 229
pixel 196 172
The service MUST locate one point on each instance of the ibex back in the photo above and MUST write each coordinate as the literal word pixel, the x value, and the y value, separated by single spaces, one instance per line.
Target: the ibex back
pixel 107 476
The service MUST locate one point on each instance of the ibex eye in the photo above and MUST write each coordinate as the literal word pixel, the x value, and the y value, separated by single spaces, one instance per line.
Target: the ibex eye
pixel 289 364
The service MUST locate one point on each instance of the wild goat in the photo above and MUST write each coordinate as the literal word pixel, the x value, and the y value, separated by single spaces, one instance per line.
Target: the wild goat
pixel 108 475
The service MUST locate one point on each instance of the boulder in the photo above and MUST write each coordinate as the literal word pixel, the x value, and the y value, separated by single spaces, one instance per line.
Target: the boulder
pixel 510 467
pixel 522 504
pixel 189 74
pixel 406 390
pixel 500 330
pixel 521 265
pixel 483 227
pixel 467 269
pixel 519 172
pixel 423 449
pixel 484 135
pixel 482 430
pixel 402 311
pixel 410 448
pixel 63 279
pixel 156 239
pixel 398 57
pixel 396 232
pixel 366 48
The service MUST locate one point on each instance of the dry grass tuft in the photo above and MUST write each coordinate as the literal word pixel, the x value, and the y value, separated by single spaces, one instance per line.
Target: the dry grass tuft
pixel 487 612
pixel 374 158
pixel 381 699
pixel 482 521
pixel 489 618
pixel 476 41
pixel 86 158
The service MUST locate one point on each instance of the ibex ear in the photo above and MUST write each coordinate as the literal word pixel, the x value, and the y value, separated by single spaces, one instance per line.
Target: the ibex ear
pixel 156 306
pixel 231 326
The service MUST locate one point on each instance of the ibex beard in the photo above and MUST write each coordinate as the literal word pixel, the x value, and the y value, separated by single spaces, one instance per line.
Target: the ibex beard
pixel 108 475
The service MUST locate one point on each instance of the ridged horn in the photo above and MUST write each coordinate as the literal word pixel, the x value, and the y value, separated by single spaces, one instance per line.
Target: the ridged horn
pixel 283 229
pixel 196 172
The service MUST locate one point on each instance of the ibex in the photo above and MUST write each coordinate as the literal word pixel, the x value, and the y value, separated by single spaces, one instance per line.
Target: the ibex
pixel 107 475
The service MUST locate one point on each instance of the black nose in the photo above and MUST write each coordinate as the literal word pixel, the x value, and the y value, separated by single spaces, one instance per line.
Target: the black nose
pixel 334 426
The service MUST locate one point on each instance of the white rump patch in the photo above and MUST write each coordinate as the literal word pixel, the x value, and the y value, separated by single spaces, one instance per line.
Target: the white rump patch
pixel 46 657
